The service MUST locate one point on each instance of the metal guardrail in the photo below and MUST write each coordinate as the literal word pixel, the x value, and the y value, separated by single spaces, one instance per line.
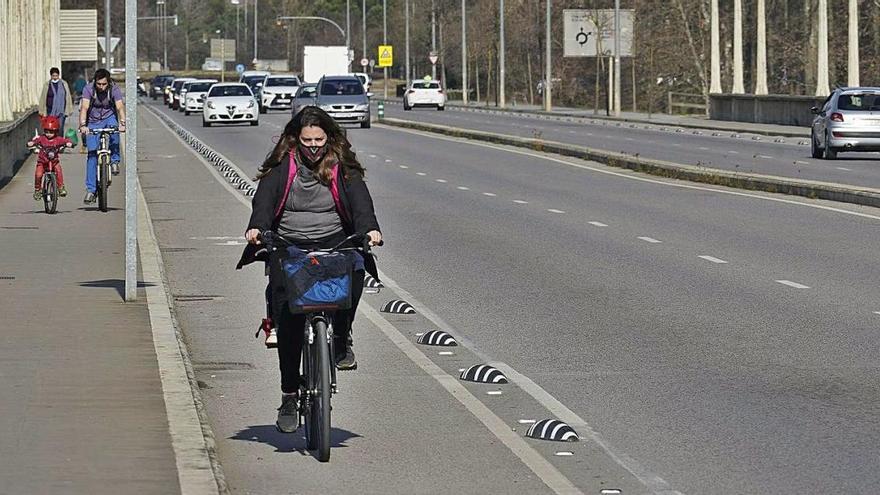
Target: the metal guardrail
pixel 685 101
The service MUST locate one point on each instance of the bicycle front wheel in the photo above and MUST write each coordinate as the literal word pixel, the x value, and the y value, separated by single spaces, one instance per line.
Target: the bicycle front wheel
pixel 319 415
pixel 103 181
pixel 50 193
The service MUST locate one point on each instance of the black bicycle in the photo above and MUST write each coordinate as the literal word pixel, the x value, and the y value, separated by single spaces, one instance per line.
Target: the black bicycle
pixel 103 163
pixel 49 184
pixel 318 374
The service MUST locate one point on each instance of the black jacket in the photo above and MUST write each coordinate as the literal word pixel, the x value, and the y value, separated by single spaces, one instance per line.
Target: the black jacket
pixel 354 197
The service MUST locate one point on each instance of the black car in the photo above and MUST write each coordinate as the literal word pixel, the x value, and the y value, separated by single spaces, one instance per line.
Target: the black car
pixel 157 85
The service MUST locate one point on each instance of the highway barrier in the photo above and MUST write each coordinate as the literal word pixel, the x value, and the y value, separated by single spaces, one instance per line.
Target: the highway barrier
pixel 752 182
pixel 14 136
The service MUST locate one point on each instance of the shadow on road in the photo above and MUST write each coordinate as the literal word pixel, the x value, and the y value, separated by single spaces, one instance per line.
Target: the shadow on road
pixel 113 283
pixel 289 442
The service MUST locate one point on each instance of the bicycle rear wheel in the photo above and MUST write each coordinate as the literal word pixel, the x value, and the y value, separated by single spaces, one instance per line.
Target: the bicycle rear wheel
pixel 103 181
pixel 50 193
pixel 319 414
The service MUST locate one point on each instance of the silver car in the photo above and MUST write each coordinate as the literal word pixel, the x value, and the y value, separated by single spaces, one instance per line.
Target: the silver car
pixel 306 96
pixel 849 120
pixel 344 98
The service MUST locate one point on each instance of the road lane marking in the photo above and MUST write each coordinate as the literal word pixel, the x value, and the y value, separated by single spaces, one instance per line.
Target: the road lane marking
pixel 598 224
pixel 801 162
pixel 844 169
pixel 704 148
pixel 443 181
pixel 489 194
pixel 632 177
pixel 765 157
pixel 403 166
pixel 463 188
pixel 388 160
pixel 554 210
pixel 877 312
pixel 650 240
pixel 733 152
pixel 520 202
pixel 421 173
pixel 712 259
pixel 793 284
pixel 372 156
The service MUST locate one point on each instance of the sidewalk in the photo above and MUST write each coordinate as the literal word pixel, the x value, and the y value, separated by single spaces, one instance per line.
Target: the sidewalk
pixel 688 121
pixel 81 402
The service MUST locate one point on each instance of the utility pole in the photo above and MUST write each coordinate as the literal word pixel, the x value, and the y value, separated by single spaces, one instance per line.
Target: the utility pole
pixel 548 104
pixel 617 58
pixel 131 174
pixel 434 38
pixel 738 86
pixel 406 13
pixel 347 28
pixel 715 85
pixel 364 27
pixel 501 99
pixel 853 46
pixel 385 42
pixel 107 37
pixel 255 33
pixel 464 59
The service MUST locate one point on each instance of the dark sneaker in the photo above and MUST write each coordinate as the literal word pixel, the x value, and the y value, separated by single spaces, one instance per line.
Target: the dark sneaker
pixel 38 195
pixel 114 168
pixel 345 360
pixel 288 414
pixel 89 199
pixel 63 191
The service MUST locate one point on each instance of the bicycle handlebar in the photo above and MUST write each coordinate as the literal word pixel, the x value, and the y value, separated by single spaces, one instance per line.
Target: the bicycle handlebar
pixel 105 129
pixel 270 239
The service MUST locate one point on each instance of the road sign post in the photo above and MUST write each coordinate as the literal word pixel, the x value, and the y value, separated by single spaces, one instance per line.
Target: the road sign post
pixel 433 58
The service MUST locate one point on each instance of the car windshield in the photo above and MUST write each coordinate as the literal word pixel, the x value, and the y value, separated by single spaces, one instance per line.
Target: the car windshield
pixel 425 85
pixel 859 102
pixel 282 81
pixel 229 91
pixel 199 87
pixel 342 88
pixel 307 92
pixel 253 80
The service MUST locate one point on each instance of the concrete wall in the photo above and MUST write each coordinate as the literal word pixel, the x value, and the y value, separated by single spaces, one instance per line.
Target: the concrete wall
pixel 764 109
pixel 14 136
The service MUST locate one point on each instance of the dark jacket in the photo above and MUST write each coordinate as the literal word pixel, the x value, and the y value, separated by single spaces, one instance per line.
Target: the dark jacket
pixel 358 215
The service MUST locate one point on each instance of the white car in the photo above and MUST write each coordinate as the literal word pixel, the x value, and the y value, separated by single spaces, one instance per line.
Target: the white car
pixel 278 91
pixel 230 103
pixel 195 95
pixel 366 80
pixel 424 93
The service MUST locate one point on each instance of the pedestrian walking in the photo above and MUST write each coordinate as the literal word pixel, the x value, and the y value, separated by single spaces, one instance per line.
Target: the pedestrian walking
pixel 56 99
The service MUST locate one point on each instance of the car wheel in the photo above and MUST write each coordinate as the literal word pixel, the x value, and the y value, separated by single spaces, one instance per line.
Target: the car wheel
pixel 830 153
pixel 263 109
pixel 205 123
pixel 407 107
pixel 815 150
pixel 441 108
pixel 186 112
pixel 255 123
pixel 365 124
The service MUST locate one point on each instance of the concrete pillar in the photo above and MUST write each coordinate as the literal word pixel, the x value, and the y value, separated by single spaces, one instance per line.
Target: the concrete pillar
pixel 715 86
pixel 5 102
pixel 822 87
pixel 761 79
pixel 738 86
pixel 853 49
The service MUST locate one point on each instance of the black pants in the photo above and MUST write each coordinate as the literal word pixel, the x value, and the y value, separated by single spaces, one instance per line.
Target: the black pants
pixel 291 327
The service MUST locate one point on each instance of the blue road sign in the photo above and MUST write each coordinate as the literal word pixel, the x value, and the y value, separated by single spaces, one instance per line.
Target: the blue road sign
pixel 239 68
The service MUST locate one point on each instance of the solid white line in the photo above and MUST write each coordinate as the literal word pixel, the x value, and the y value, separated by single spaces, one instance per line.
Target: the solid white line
pixel 520 202
pixel 548 473
pixel 490 194
pixel 793 284
pixel 598 224
pixel 712 259
pixel 553 210
pixel 194 470
pixel 650 239
pixel 462 188
pixel 634 177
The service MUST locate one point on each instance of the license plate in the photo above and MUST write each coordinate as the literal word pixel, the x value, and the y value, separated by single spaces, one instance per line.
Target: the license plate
pixel 345 115
pixel 282 100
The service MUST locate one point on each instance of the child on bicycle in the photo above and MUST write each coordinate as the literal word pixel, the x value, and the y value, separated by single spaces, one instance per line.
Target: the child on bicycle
pixel 51 139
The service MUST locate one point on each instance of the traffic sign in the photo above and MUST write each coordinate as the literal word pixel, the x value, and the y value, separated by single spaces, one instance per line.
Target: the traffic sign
pixel 386 55
pixel 590 32
pixel 364 62
pixel 433 58
pixel 239 68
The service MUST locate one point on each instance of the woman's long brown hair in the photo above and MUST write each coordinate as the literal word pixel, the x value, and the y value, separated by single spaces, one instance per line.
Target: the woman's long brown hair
pixel 338 150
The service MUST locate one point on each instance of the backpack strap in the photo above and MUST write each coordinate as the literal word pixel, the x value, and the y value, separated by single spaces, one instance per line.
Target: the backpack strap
pixel 291 174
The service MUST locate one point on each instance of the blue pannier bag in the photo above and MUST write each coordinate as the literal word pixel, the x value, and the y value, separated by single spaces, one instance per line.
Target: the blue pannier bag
pixel 317 280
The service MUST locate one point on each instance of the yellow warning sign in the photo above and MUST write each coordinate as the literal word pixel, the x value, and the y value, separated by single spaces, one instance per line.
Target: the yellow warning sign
pixel 386 55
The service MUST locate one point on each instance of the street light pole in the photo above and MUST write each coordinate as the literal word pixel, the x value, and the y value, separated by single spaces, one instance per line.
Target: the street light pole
pixel 165 34
pixel 617 58
pixel 464 60
pixel 255 33
pixel 547 85
pixel 406 14
pixel 364 27
pixel 385 42
pixel 434 39
pixel 107 47
pixel 501 99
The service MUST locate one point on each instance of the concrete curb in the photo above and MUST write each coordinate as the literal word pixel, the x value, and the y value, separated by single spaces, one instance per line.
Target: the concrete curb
pixel 561 115
pixel 752 182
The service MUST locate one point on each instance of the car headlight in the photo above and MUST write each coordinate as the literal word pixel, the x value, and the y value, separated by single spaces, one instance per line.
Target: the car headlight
pixel 210 104
pixel 251 104
pixel 361 108
pixel 189 99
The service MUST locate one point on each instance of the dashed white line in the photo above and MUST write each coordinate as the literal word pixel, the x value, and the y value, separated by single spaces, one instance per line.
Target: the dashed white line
pixel 844 169
pixel 463 188
pixel 598 224
pixel 650 239
pixel 421 173
pixel 490 194
pixel 372 156
pixel 520 202
pixel 387 160
pixel 403 166
pixel 564 454
pixel 765 157
pixel 793 284
pixel 877 312
pixel 704 148
pixel 554 210
pixel 712 259
pixel 733 152
pixel 444 181
pixel 801 162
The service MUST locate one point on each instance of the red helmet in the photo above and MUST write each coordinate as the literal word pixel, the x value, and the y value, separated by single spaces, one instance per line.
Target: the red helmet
pixel 50 123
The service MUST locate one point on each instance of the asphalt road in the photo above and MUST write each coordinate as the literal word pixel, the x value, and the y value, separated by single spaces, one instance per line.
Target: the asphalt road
pixel 718 341
pixel 726 150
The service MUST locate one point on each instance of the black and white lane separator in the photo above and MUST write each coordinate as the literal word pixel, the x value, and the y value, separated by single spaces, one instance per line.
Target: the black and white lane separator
pixel 371 283
pixel 437 337
pixel 552 429
pixel 398 306
pixel 483 373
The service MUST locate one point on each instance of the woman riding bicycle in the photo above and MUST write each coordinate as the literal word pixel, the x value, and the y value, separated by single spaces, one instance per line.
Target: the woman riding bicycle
pixel 311 191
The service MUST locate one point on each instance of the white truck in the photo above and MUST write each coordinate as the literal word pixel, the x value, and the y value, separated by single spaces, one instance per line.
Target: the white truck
pixel 319 61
